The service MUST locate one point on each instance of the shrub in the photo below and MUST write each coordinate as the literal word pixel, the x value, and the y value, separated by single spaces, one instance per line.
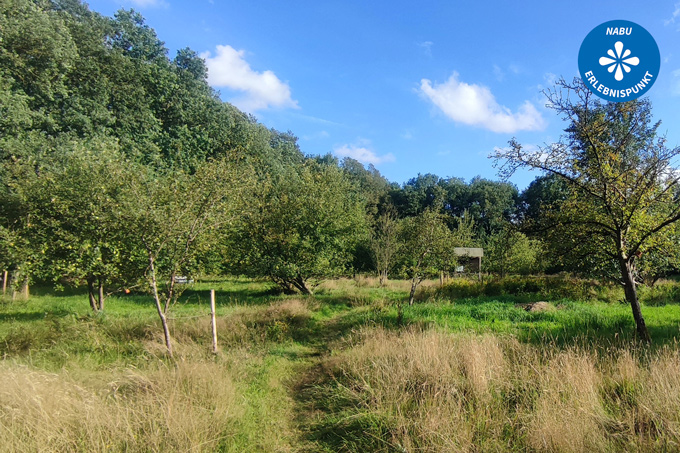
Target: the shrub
pixel 544 287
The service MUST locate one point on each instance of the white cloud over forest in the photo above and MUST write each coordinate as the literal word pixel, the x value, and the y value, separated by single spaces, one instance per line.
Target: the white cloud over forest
pixel 475 105
pixel 363 154
pixel 261 90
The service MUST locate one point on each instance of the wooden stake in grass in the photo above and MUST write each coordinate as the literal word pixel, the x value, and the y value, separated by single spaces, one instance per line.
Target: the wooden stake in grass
pixel 212 320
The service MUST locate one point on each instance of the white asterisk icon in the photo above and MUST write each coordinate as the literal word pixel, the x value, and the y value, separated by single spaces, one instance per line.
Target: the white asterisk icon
pixel 619 60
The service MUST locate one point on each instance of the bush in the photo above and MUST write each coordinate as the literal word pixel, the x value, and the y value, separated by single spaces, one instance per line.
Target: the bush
pixel 664 292
pixel 543 287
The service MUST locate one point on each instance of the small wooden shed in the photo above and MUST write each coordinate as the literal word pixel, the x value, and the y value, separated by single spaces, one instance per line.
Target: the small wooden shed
pixel 474 258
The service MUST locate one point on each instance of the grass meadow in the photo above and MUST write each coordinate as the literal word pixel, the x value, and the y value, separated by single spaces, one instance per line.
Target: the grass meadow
pixel 519 364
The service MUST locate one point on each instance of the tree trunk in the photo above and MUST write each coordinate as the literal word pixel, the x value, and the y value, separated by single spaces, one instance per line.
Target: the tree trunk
pixel 159 306
pixel 4 282
pixel 284 285
pixel 302 285
pixel 101 294
pixel 25 289
pixel 412 295
pixel 91 294
pixel 632 298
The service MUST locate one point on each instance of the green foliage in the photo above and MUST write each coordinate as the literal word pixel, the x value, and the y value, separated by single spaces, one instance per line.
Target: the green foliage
pixel 384 243
pixel 90 106
pixel 302 228
pixel 427 247
pixel 551 288
pixel 621 185
pixel 75 204
pixel 509 251
pixel 426 241
pixel 371 184
pixel 489 204
pixel 173 215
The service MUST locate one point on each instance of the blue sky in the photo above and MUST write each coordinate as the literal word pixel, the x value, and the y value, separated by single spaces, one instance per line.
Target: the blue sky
pixel 412 87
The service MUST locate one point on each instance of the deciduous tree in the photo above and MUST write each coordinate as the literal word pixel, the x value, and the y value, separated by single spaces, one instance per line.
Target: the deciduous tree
pixel 170 214
pixel 385 243
pixel 426 242
pixel 623 188
pixel 302 229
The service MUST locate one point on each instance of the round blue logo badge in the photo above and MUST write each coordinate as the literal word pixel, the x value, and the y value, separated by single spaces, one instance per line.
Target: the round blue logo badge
pixel 619 61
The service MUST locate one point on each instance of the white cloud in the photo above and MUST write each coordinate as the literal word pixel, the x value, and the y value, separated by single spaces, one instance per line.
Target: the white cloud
pixel 362 154
pixel 515 68
pixel 314 119
pixel 675 83
pixel 536 150
pixel 261 90
pixel 475 105
pixel 550 78
pixel 676 14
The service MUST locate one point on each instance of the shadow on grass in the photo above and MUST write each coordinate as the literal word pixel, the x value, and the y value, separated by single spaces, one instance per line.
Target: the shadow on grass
pixel 244 294
pixel 50 291
pixel 33 315
pixel 252 292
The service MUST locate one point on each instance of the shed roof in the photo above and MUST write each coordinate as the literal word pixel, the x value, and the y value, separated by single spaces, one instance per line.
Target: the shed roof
pixel 473 252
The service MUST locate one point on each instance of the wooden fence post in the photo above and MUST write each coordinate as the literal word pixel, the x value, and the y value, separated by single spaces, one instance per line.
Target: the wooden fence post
pixel 213 321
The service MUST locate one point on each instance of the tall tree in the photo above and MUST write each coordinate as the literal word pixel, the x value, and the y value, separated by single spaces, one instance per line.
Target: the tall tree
pixel 509 251
pixel 418 194
pixel 623 189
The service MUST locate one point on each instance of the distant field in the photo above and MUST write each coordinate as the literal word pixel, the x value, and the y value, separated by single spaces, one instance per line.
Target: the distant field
pixel 514 365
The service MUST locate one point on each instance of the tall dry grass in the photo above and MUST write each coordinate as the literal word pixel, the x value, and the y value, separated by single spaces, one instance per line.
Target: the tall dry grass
pixel 235 401
pixel 434 391
pixel 367 281
pixel 250 326
pixel 170 409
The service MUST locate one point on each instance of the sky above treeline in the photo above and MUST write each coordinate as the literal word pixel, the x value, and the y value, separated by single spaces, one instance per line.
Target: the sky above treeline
pixel 410 87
